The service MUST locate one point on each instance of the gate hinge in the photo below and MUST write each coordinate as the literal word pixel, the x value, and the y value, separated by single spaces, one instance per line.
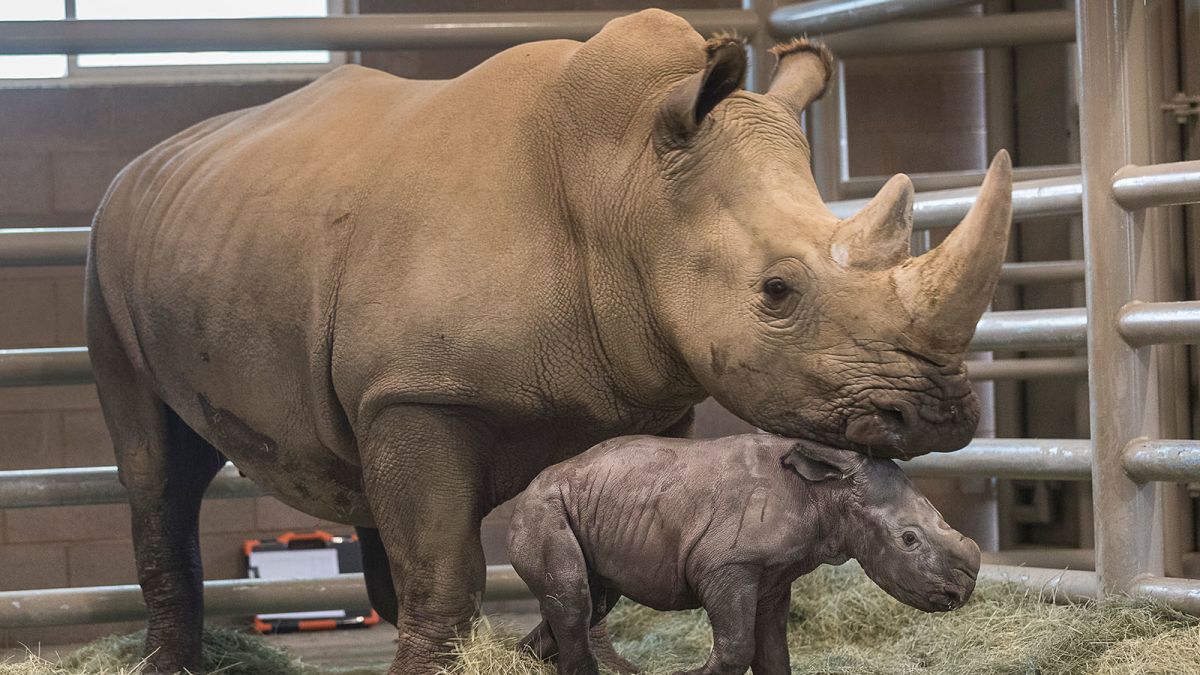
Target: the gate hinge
pixel 1183 106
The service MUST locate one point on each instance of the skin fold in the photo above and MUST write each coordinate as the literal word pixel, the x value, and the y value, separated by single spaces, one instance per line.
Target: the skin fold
pixel 725 524
pixel 392 302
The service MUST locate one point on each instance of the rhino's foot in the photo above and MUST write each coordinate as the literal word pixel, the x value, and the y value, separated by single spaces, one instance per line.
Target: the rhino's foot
pixel 427 650
pixel 169 652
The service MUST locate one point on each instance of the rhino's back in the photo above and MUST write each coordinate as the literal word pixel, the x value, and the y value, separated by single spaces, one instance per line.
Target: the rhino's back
pixel 220 252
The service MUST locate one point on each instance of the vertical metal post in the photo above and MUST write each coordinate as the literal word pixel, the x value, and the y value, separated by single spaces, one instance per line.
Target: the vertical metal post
pixel 827 135
pixel 1120 59
pixel 758 74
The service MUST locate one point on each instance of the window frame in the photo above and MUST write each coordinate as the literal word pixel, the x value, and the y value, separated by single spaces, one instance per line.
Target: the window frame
pixel 77 75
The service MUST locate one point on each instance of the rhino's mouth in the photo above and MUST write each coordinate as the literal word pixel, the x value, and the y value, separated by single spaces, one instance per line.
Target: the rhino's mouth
pixel 895 427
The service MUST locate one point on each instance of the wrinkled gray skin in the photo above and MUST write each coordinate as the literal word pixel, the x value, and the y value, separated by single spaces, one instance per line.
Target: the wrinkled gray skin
pixel 393 302
pixel 726 524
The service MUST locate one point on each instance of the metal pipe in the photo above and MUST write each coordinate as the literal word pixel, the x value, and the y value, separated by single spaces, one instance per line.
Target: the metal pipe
pixel 946 208
pixel 1058 558
pixel 1038 459
pixel 1179 594
pixel 54 365
pixel 867 186
pixel 1041 272
pixel 33 488
pixel 375 31
pixel 28 246
pixel 1032 329
pixel 1151 323
pixel 1139 187
pixel 226 597
pixel 828 16
pixel 760 63
pixel 1164 460
pixel 953 33
pixel 1027 369
pixel 1051 584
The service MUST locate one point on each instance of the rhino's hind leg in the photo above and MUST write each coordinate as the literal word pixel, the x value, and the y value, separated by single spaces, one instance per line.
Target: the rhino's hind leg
pixel 165 468
pixel 377 572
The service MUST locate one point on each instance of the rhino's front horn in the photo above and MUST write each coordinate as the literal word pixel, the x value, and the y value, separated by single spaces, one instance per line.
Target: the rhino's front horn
pixel 947 289
pixel 878 236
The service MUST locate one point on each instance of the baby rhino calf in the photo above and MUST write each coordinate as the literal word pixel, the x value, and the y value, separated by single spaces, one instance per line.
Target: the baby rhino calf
pixel 726 524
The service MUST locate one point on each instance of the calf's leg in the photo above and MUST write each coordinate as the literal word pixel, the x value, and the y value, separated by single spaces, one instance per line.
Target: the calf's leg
pixel 770 633
pixel 545 553
pixel 731 598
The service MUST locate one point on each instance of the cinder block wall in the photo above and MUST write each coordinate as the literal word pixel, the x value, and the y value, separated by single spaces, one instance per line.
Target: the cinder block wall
pixel 60 147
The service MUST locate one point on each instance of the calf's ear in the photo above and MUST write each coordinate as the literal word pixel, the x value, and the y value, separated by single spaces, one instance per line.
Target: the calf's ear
pixel 686 106
pixel 812 470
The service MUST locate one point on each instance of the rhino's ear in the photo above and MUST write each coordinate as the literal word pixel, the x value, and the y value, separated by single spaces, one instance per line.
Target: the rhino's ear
pixel 691 100
pixel 817 463
pixel 802 74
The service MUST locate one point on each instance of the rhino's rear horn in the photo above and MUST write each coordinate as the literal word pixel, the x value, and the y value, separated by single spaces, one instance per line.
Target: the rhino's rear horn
pixel 691 100
pixel 878 236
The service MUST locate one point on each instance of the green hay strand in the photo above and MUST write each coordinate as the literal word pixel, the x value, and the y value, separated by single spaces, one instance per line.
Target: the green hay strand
pixel 840 623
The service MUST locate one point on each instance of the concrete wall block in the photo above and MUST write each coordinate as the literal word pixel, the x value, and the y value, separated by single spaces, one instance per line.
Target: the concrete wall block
pixel 30 440
pixel 275 517
pixel 68 311
pixel 47 119
pixel 81 178
pixel 27 314
pixel 70 523
pixel 85 439
pixel 45 639
pixel 33 566
pixel 39 399
pixel 27 187
pixel 227 515
pixel 101 563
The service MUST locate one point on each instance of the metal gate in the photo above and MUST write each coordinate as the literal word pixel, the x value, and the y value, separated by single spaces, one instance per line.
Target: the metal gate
pixel 1128 59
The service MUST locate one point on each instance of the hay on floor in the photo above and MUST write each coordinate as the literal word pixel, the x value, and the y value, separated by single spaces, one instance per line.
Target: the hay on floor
pixel 841 623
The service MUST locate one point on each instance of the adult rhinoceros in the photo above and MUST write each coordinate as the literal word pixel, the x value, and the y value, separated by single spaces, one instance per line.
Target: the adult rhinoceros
pixel 393 302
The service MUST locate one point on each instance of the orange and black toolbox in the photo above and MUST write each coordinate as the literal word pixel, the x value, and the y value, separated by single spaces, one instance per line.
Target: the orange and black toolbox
pixel 296 555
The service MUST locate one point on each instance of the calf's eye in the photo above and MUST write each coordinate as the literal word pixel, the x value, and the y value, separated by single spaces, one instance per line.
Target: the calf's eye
pixel 909 539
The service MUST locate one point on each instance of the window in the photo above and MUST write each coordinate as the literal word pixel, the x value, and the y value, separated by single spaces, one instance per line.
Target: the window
pixel 169 65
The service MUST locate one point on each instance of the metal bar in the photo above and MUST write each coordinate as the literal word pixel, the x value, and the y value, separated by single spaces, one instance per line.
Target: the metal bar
pixel 1164 460
pixel 1029 329
pixel 1118 76
pixel 1179 594
pixel 97 485
pixel 1151 323
pixel 1041 272
pixel 28 246
pixel 1027 369
pixel 226 597
pixel 760 63
pixel 1032 329
pixel 828 16
pixel 867 186
pixel 1042 459
pixel 949 34
pixel 1051 584
pixel 1139 187
pixel 945 208
pixel 375 31
pixel 55 365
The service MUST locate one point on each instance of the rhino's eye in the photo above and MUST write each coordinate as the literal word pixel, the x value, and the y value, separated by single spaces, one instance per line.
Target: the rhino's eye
pixel 776 289
pixel 909 539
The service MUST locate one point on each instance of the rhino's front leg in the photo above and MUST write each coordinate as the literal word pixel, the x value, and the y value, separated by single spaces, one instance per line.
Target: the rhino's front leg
pixel 730 596
pixel 770 633
pixel 425 483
